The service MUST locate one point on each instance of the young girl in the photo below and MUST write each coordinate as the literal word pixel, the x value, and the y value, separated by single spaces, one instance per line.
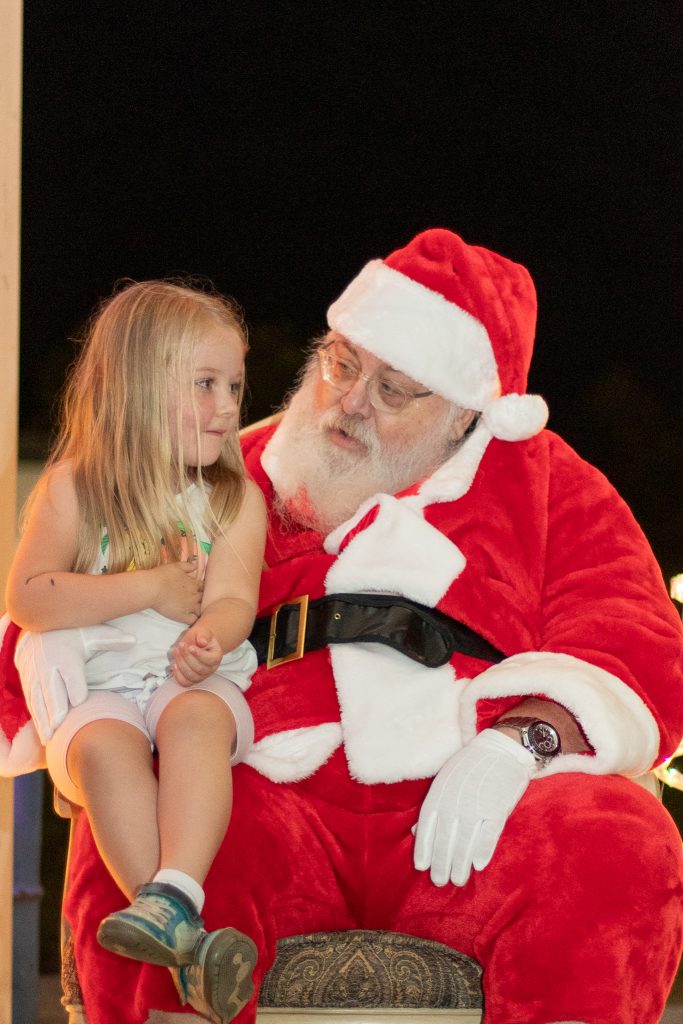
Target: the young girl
pixel 147 475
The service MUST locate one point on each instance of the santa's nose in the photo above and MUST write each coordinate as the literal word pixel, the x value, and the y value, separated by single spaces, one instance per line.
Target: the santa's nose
pixel 356 400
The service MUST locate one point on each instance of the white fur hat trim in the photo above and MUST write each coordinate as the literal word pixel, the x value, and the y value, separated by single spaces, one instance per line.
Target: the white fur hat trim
pixel 418 332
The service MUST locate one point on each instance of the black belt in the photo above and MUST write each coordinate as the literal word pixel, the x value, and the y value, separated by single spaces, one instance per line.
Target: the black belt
pixel 423 634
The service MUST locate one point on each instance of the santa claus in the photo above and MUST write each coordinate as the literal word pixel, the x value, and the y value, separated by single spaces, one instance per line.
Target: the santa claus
pixel 467 654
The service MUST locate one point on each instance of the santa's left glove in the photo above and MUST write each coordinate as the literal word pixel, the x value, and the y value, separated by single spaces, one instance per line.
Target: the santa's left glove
pixel 466 808
pixel 51 669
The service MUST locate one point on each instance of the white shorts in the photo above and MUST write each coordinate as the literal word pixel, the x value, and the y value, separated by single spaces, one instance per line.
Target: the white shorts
pixel 101 704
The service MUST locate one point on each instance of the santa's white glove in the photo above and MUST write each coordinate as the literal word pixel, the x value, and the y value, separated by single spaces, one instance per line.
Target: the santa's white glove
pixel 468 804
pixel 51 669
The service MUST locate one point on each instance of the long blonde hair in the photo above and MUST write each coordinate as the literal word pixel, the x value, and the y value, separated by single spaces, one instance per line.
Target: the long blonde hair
pixel 115 429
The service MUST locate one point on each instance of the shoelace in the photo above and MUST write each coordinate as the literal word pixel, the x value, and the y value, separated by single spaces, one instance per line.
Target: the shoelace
pixel 158 911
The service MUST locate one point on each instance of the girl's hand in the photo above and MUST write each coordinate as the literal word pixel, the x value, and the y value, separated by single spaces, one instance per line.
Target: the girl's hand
pixel 178 591
pixel 196 656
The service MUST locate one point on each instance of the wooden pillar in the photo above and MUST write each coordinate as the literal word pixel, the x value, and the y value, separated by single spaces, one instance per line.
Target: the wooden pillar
pixel 11 21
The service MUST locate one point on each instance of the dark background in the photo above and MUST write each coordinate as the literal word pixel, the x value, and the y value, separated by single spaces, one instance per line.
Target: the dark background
pixel 275 147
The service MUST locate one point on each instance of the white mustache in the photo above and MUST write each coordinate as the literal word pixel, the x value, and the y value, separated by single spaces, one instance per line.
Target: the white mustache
pixel 357 428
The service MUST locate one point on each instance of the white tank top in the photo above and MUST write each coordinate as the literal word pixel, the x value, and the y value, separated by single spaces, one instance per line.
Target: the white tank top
pixel 149 658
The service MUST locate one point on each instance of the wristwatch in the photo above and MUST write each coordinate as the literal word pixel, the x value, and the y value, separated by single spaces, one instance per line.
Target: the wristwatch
pixel 540 738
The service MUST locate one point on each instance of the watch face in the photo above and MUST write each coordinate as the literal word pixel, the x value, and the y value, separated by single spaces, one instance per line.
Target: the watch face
pixel 544 739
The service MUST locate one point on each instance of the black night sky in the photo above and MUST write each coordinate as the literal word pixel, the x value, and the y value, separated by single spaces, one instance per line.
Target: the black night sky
pixel 275 147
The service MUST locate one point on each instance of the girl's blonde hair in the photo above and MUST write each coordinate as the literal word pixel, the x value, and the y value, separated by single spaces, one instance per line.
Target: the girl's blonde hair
pixel 138 350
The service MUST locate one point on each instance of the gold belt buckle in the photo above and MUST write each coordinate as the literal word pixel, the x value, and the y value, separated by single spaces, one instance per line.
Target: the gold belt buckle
pixel 298 652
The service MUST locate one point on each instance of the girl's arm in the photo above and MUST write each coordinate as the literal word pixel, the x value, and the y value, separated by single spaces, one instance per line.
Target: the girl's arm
pixel 43 593
pixel 231 590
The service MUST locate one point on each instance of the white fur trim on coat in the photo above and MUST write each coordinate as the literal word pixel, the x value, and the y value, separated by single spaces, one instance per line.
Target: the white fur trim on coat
pixel 454 477
pixel 398 553
pixel 295 754
pixel 25 753
pixel 616 722
pixel 399 719
pixel 419 332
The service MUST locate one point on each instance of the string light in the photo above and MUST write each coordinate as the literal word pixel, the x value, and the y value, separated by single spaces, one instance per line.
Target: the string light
pixel 670 772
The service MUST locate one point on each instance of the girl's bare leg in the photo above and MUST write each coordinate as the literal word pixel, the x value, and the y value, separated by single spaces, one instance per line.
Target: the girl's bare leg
pixel 194 738
pixel 111 762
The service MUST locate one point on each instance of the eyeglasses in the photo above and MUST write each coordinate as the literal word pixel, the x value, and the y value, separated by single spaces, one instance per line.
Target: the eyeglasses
pixel 384 394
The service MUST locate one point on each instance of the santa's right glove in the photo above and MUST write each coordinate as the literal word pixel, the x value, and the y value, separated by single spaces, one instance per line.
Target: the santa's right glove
pixel 468 804
pixel 51 669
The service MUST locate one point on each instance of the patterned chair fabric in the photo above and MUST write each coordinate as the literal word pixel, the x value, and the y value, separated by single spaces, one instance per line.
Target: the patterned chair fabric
pixel 370 969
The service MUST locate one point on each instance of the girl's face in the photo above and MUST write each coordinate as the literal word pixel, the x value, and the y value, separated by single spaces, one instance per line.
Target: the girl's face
pixel 209 403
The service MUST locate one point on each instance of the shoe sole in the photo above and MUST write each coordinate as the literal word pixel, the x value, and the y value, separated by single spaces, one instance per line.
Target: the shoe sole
pixel 127 939
pixel 228 960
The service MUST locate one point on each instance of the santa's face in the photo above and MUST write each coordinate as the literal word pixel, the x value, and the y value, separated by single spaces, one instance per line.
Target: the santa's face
pixel 362 392
pixel 336 449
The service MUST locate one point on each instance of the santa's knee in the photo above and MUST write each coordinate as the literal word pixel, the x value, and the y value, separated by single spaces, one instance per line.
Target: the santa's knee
pixel 601 846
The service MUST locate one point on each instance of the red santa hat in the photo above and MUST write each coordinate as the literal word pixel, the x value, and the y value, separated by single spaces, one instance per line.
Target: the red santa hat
pixel 455 317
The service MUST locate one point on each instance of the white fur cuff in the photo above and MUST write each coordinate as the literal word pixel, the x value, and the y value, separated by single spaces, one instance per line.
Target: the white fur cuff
pixel 616 722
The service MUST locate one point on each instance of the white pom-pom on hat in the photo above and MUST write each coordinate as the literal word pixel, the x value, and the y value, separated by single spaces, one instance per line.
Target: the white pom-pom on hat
pixel 516 417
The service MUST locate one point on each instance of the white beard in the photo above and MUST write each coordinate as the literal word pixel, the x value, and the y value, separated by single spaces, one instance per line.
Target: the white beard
pixel 320 485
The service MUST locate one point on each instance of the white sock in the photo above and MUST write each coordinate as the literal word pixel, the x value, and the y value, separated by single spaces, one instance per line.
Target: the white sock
pixel 185 883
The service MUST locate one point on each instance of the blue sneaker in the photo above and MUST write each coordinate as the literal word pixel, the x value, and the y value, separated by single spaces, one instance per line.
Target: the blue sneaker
pixel 219 984
pixel 161 926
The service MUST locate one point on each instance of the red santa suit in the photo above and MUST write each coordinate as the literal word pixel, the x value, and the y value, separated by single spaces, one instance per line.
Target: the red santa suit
pixel 519 539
